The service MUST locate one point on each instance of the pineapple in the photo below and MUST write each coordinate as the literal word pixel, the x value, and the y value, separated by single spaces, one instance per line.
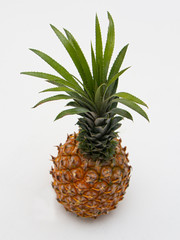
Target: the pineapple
pixel 91 171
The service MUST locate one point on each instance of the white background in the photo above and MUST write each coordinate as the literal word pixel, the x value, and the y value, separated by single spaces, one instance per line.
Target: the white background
pixel 151 208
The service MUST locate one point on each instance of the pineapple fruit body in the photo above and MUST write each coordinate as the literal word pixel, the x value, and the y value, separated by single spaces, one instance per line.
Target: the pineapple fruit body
pixel 86 187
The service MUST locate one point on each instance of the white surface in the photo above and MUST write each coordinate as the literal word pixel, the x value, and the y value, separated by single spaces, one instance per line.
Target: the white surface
pixel 151 208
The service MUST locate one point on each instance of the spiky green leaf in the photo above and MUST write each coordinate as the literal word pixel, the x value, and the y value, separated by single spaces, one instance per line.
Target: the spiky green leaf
pixel 42 75
pixel 72 53
pixel 122 113
pixel 118 62
pixel 110 81
pixel 72 104
pixel 58 89
pixel 99 95
pixel 83 100
pixel 109 45
pixel 94 67
pixel 56 66
pixel 99 52
pixel 81 57
pixel 130 97
pixel 55 80
pixel 133 106
pixel 71 111
pixel 53 98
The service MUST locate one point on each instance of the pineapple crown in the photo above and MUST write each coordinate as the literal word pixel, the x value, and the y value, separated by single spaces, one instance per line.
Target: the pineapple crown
pixel 94 97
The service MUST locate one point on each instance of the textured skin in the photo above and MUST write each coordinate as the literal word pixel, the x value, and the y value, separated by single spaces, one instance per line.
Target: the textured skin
pixel 85 187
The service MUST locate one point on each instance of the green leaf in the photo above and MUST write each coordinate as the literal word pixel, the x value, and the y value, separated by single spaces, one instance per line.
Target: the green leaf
pixel 53 98
pixel 115 120
pixel 113 128
pixel 63 83
pixel 56 66
pixel 109 45
pixel 116 76
pixel 86 92
pixel 130 97
pixel 71 111
pixel 122 113
pixel 77 80
pixel 83 101
pixel 99 96
pixel 115 69
pixel 118 62
pixel 72 53
pixel 99 52
pixel 94 67
pixel 42 75
pixel 113 90
pixel 55 80
pixel 133 106
pixel 58 83
pixel 72 104
pixel 81 57
pixel 58 89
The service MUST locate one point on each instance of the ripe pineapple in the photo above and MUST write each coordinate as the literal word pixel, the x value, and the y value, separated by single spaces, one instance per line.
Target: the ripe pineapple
pixel 91 170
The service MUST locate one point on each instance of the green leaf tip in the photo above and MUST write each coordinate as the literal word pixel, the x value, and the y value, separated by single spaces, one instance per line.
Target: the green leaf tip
pixel 109 15
pixel 52 26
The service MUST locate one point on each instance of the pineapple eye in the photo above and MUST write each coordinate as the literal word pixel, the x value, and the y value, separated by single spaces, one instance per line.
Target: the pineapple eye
pixel 91 177
pixel 77 173
pixel 106 172
pixel 68 149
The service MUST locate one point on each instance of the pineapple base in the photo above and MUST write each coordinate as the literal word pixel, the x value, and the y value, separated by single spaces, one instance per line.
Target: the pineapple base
pixel 85 187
